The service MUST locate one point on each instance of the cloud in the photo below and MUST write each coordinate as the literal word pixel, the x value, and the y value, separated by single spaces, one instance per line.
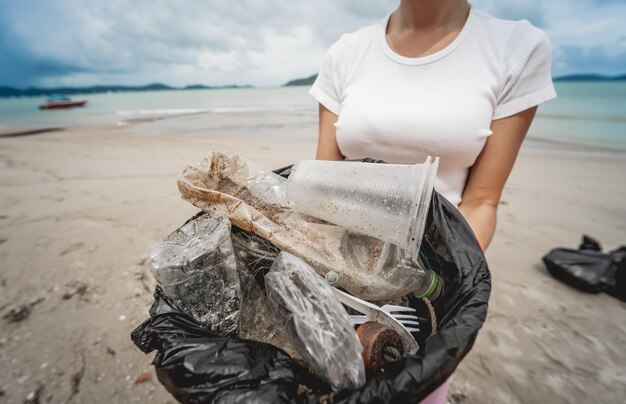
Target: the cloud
pixel 72 41
pixel 531 10
pixel 573 59
pixel 260 42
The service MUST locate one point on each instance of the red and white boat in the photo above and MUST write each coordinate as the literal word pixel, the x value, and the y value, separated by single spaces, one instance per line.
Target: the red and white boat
pixel 60 101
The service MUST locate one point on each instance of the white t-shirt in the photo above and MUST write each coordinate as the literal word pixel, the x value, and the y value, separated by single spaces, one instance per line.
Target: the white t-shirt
pixel 401 109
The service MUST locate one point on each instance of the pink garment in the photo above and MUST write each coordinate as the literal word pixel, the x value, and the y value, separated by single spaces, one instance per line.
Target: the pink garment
pixel 438 396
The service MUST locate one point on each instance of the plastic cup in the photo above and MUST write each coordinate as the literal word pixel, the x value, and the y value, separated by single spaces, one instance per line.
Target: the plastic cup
pixel 385 201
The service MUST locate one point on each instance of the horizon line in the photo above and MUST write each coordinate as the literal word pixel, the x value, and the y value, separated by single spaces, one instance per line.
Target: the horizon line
pixel 225 86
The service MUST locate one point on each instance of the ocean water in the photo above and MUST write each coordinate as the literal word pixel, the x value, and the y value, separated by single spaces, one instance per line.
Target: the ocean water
pixel 111 108
pixel 584 114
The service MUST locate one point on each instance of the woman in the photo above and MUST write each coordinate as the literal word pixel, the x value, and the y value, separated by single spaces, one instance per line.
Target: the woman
pixel 437 78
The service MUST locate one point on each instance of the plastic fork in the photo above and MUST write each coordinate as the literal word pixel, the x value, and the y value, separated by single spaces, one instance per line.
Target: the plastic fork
pixel 407 320
pixel 374 313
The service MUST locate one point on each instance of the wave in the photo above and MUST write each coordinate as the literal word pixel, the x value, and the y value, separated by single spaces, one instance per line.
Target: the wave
pixel 148 115
pixel 256 109
pixel 161 111
pixel 576 144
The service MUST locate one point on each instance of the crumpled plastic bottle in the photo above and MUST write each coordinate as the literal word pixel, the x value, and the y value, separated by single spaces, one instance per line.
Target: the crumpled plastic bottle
pixel 268 187
pixel 195 266
pixel 315 322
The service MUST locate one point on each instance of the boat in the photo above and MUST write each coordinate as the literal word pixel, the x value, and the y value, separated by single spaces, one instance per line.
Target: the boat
pixel 61 101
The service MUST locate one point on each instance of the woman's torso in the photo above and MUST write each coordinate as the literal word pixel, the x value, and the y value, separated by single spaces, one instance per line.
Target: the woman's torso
pixel 402 109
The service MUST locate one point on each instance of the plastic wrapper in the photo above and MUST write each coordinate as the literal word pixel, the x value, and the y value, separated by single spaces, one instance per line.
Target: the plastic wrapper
pixel 195 266
pixel 225 184
pixel 198 366
pixel 254 257
pixel 315 321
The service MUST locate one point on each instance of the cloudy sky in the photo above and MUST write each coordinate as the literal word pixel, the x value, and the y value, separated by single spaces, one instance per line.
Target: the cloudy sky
pixel 259 42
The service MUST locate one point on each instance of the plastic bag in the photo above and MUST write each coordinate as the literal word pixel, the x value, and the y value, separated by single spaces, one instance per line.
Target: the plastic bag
pixel 257 322
pixel 198 366
pixel 449 248
pixel 588 268
pixel 225 184
pixel 316 322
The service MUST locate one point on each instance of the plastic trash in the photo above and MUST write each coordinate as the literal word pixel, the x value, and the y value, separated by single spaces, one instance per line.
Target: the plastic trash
pixel 257 321
pixel 195 266
pixel 589 269
pixel 196 365
pixel 385 201
pixel 365 266
pixel 315 321
pixel 268 187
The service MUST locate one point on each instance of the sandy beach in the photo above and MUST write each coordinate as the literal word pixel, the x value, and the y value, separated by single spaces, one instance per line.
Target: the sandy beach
pixel 81 208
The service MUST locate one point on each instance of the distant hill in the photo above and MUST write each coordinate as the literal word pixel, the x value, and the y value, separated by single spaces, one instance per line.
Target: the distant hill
pixel 6 91
pixel 301 82
pixel 33 91
pixel 590 77
pixel 203 87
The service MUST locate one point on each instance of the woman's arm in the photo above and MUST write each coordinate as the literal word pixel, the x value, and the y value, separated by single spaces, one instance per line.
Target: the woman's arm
pixel 327 148
pixel 489 173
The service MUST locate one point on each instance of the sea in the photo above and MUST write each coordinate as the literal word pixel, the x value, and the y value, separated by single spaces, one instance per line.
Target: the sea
pixel 585 114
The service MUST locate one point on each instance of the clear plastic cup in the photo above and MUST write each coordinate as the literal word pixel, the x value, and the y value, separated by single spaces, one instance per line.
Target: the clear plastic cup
pixel 385 201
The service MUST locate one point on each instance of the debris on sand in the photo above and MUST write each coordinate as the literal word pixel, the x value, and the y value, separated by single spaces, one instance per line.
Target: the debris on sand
pixel 145 282
pixel 33 396
pixel 17 314
pixel 21 312
pixel 144 377
pixel 76 378
pixel 75 288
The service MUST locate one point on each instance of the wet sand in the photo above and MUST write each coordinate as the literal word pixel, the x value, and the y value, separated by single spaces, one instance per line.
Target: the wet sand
pixel 80 210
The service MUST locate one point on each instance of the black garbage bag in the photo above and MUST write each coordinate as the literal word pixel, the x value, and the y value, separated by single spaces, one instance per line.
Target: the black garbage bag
pixel 619 288
pixel 589 268
pixel 197 366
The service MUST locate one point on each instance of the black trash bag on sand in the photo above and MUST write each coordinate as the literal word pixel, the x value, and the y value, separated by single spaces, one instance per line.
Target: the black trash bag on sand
pixel 589 268
pixel 197 366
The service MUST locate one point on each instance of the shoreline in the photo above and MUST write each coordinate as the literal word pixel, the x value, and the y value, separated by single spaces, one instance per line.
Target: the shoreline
pixel 532 144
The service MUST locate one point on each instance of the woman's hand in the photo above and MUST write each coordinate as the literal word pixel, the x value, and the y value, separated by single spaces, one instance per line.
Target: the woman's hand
pixel 327 148
pixel 489 173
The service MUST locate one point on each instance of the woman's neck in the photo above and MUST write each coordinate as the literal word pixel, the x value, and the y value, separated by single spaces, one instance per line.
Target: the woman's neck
pixel 422 27
pixel 419 15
